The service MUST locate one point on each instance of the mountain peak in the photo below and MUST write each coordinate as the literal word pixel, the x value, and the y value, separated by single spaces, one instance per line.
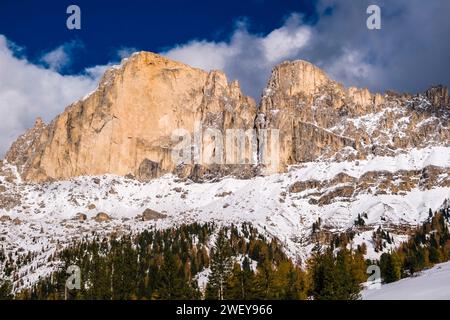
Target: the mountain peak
pixel 126 125
pixel 299 76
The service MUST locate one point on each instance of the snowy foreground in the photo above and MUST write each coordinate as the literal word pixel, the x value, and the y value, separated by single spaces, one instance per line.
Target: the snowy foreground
pixel 46 212
pixel 432 284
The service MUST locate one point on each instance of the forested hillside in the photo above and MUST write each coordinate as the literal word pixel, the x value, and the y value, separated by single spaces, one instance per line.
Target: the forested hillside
pixel 207 261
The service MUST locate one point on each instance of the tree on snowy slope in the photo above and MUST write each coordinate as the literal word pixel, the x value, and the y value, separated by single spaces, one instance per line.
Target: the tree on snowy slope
pixel 391 267
pixel 5 290
pixel 429 244
pixel 221 267
pixel 241 285
pixel 336 276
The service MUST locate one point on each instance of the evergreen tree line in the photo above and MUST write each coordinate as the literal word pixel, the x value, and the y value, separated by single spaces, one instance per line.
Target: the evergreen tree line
pixel 336 273
pixel 164 264
pixel 428 245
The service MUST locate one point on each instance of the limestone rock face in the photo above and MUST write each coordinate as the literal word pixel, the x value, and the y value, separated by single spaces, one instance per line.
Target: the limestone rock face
pixel 151 116
pixel 320 119
pixel 126 125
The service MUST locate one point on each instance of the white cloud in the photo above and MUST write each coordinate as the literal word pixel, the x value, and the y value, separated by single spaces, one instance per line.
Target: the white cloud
pixel 285 42
pixel 350 68
pixel 203 54
pixel 407 54
pixel 61 57
pixel 28 91
pixel 247 57
pixel 125 52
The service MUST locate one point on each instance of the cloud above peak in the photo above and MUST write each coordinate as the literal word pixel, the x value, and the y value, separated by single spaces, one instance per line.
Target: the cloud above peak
pixel 60 58
pixel 286 41
pixel 408 54
pixel 246 57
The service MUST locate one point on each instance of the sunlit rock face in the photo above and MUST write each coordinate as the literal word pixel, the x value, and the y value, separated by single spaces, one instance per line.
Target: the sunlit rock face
pixel 151 116
pixel 126 125
pixel 320 119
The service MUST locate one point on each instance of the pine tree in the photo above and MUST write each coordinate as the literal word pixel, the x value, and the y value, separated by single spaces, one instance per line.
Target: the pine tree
pixel 323 274
pixel 264 280
pixel 170 285
pixel 289 282
pixel 348 275
pixel 221 267
pixel 242 284
pixel 5 290
pixel 336 277
pixel 390 266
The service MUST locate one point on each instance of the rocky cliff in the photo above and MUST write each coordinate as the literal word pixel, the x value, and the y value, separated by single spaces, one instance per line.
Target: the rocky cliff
pixel 132 122
pixel 318 118
pixel 149 106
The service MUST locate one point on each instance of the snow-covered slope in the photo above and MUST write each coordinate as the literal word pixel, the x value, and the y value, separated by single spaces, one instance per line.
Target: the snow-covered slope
pixel 44 213
pixel 432 284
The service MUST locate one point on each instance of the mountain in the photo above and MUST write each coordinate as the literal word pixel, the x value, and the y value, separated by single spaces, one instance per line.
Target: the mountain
pixel 320 119
pixel 125 126
pixel 316 159
pixel 131 118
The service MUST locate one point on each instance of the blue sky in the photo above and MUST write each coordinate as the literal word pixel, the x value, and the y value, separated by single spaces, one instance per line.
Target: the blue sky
pixel 44 66
pixel 154 25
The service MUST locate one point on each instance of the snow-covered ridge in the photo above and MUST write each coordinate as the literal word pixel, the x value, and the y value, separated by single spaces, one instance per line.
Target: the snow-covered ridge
pixel 414 159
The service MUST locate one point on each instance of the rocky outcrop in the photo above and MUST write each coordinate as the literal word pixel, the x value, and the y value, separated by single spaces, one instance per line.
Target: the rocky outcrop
pixel 102 217
pixel 150 214
pixel 438 96
pixel 5 218
pixel 80 217
pixel 26 145
pixel 344 187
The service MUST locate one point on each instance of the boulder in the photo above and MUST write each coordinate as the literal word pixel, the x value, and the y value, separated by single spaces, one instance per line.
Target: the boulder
pixel 5 218
pixel 150 214
pixel 102 217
